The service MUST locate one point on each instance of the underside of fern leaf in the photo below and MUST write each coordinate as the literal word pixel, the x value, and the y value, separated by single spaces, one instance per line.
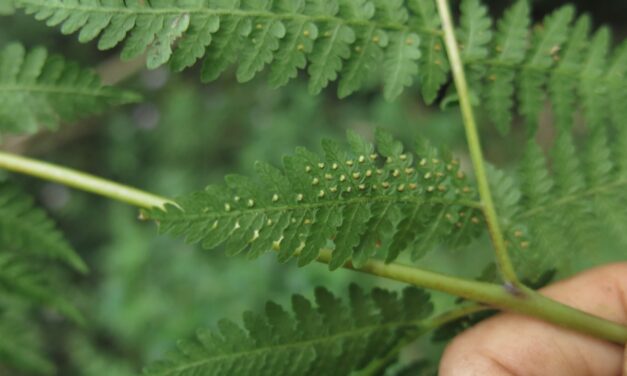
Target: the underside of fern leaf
pixel 39 90
pixel 330 339
pixel 358 204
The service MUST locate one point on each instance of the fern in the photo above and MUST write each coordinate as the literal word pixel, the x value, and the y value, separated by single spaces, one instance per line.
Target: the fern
pixel 31 254
pixel 584 187
pixel 434 67
pixel 331 338
pixel 20 277
pixel 28 229
pixel 354 203
pixel 348 40
pixel 29 243
pixel 357 203
pixel 533 77
pixel 37 89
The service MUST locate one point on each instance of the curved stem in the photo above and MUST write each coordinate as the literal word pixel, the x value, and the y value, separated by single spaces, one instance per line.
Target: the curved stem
pixel 521 300
pixel 504 263
pixel 82 181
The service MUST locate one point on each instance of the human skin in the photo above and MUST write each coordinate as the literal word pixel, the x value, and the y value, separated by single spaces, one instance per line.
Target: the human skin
pixel 511 344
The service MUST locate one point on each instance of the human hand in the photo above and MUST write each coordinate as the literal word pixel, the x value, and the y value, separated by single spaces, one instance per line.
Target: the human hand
pixel 511 344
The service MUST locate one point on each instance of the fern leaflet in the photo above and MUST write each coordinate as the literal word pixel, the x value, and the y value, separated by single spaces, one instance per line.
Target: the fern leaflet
pixel 347 40
pixel 30 243
pixel 28 229
pixel 331 338
pixel 585 187
pixel 37 89
pixel 354 202
pixel 32 252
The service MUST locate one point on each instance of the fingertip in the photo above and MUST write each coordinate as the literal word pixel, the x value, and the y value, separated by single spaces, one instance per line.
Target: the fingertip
pixel 510 344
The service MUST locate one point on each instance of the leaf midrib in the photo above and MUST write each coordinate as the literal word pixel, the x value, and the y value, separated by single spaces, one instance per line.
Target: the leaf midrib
pixel 305 206
pixel 226 12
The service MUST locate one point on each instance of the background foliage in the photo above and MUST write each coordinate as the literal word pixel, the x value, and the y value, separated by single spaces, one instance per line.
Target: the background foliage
pixel 145 292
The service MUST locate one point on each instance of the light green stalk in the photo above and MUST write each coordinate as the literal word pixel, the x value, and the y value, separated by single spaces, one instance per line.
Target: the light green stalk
pixel 79 180
pixel 472 136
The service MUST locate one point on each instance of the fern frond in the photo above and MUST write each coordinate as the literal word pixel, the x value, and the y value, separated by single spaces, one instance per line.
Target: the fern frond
pixel 562 86
pixel 593 69
pixel 474 35
pixel 20 277
pixel 332 338
pixel 27 229
pixel 510 46
pixel 40 90
pixel 348 40
pixel 548 39
pixel 475 31
pixel 560 215
pixel 353 202
pixel 434 67
pixel 31 248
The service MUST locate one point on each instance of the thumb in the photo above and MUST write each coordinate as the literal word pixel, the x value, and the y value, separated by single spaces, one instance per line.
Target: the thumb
pixel 511 344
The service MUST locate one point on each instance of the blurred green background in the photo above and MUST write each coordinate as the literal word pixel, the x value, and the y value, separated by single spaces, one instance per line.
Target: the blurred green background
pixel 145 291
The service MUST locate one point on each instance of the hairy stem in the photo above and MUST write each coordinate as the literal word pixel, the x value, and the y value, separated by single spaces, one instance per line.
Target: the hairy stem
pixel 521 299
pixel 472 135
pixel 79 180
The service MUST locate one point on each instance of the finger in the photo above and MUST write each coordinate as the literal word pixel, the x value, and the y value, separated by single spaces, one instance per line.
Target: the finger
pixel 510 344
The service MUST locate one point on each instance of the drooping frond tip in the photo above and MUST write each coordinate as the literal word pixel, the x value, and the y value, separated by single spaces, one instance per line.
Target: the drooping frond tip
pixel 39 90
pixel 359 204
pixel 329 339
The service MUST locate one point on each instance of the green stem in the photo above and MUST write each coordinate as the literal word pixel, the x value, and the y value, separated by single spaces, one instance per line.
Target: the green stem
pixel 502 258
pixel 80 180
pixel 521 300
